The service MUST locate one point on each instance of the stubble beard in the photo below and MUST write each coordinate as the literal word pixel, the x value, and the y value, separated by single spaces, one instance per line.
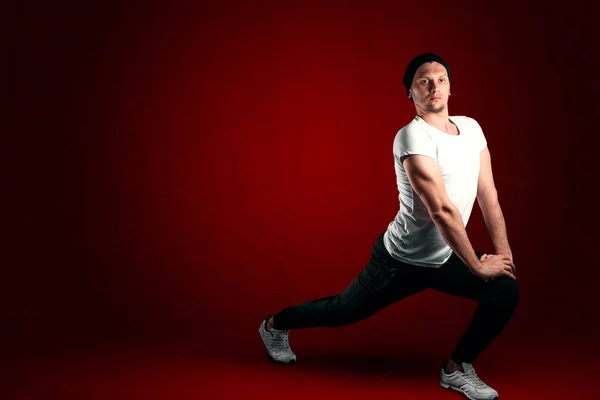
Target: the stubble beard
pixel 433 109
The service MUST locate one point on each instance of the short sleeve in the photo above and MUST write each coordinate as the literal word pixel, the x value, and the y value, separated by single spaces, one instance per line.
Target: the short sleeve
pixel 479 136
pixel 412 140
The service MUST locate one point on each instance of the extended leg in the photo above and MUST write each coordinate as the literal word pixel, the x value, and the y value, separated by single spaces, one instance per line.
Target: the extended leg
pixel 382 282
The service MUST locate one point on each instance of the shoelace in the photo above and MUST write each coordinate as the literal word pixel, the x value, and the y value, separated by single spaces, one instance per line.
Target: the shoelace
pixel 280 341
pixel 473 379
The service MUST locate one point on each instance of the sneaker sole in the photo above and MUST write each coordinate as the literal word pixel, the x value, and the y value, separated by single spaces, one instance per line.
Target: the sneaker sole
pixel 280 362
pixel 446 386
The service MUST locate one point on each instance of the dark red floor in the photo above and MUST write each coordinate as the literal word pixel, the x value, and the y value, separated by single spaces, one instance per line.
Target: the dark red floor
pixel 77 369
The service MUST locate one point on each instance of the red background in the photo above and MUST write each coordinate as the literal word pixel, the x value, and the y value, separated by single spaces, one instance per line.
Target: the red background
pixel 181 171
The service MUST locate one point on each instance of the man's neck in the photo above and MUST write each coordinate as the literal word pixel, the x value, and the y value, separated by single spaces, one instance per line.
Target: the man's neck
pixel 438 120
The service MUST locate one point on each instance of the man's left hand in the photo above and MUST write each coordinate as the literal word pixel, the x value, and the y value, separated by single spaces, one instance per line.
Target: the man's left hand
pixel 509 255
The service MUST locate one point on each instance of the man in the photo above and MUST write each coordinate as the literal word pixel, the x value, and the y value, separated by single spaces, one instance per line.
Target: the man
pixel 442 164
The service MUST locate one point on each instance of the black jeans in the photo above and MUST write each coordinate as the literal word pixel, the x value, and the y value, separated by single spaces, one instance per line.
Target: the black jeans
pixel 386 280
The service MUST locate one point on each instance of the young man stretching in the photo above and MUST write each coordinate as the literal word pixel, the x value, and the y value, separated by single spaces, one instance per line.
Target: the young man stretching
pixel 442 165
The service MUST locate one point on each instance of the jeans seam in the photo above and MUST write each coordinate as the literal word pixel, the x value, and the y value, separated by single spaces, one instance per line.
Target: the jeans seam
pixel 379 271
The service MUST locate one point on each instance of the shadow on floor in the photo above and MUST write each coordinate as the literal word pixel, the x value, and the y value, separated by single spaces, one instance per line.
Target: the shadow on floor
pixel 380 365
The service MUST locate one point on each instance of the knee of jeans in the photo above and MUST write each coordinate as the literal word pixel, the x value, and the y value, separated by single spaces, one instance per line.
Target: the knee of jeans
pixel 344 318
pixel 338 315
pixel 506 290
pixel 332 311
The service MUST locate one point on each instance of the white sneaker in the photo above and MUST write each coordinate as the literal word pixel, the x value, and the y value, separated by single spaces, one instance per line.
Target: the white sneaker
pixel 276 342
pixel 468 383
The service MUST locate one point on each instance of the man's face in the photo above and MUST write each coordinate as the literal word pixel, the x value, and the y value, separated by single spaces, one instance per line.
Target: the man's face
pixel 430 87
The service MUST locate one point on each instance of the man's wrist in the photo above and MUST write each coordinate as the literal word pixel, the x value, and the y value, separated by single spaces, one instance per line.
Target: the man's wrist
pixel 504 251
pixel 476 268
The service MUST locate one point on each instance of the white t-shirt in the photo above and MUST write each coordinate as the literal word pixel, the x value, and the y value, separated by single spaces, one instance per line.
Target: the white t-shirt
pixel 412 236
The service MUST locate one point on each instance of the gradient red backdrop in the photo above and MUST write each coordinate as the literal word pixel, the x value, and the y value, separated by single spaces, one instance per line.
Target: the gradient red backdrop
pixel 184 170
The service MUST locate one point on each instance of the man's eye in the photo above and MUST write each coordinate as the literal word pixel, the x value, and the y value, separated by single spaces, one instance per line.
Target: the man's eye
pixel 442 80
pixel 424 81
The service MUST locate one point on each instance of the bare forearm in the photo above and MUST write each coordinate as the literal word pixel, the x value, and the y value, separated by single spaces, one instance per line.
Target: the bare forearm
pixel 451 226
pixel 494 220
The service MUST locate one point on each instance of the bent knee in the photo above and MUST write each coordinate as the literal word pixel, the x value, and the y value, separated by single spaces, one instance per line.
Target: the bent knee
pixel 505 289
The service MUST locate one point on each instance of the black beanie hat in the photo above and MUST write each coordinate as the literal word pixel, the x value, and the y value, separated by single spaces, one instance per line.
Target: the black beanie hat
pixel 416 62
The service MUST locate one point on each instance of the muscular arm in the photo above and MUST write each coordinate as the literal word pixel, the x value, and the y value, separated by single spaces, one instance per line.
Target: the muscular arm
pixel 426 179
pixel 487 197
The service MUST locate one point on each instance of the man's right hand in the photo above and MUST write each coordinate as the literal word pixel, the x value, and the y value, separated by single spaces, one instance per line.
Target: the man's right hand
pixel 493 266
